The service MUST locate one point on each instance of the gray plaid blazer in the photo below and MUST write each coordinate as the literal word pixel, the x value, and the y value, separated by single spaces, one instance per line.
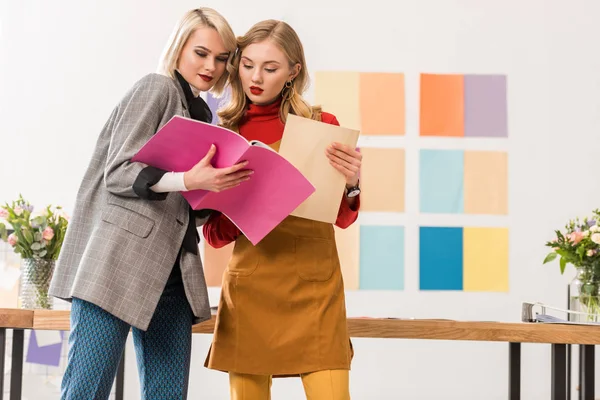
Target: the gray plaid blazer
pixel 119 248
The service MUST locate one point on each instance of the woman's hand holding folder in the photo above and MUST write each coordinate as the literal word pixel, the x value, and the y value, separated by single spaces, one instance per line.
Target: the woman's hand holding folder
pixel 206 177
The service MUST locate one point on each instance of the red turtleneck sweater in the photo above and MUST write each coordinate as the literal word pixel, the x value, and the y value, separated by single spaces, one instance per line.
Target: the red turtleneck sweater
pixel 262 123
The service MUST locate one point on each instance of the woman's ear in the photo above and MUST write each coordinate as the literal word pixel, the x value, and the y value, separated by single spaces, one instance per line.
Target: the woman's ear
pixel 295 71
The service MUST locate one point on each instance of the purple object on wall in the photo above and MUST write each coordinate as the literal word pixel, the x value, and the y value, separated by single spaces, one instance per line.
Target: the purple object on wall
pixel 485 106
pixel 45 355
pixel 214 104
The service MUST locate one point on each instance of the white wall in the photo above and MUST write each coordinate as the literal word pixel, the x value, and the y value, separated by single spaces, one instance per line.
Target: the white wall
pixel 64 65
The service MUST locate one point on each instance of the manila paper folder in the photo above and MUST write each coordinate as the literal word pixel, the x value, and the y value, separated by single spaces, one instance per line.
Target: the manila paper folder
pixel 303 144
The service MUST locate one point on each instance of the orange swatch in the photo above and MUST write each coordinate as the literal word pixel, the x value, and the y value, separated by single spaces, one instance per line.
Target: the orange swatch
pixel 442 105
pixel 215 262
pixel 382 103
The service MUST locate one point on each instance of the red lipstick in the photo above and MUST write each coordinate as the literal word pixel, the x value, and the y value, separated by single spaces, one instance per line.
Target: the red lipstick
pixel 255 90
pixel 206 78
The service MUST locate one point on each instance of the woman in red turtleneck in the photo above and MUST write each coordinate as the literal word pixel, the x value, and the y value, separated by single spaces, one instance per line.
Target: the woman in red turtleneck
pixel 282 308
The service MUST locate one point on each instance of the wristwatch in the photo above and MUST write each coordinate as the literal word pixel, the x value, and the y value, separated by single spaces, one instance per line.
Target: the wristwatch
pixel 353 191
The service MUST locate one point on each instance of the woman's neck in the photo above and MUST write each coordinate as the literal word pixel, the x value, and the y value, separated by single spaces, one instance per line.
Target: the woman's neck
pixel 195 91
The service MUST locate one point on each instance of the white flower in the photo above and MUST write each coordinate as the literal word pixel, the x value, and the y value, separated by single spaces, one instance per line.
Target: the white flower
pixel 590 253
pixel 595 228
pixel 596 238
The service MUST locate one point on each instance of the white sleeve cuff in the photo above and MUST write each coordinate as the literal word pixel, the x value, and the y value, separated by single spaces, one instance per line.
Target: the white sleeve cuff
pixel 170 182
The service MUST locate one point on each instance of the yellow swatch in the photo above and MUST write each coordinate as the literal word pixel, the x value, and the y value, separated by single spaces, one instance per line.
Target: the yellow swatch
pixel 338 94
pixel 486 182
pixel 215 262
pixel 382 103
pixel 382 180
pixel 485 259
pixel 348 246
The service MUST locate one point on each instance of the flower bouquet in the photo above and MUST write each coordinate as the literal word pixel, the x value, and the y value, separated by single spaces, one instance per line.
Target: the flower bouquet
pixel 579 245
pixel 37 238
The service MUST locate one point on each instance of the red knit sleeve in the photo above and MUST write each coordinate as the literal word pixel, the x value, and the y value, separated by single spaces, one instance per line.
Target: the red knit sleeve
pixel 219 231
pixel 347 215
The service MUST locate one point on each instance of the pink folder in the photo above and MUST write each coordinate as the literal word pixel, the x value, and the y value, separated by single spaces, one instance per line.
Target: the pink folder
pixel 257 206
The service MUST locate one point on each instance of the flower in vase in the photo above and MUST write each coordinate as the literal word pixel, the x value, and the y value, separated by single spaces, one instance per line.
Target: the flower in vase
pixel 576 237
pixel 12 239
pixel 3 213
pixel 36 235
pixel 48 233
pixel 578 244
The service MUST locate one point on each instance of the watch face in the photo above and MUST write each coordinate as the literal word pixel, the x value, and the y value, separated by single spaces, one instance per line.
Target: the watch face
pixel 353 192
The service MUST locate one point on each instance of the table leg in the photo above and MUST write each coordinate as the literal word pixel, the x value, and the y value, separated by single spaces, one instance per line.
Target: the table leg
pixel 586 372
pixel 559 372
pixel 16 372
pixel 2 356
pixel 514 371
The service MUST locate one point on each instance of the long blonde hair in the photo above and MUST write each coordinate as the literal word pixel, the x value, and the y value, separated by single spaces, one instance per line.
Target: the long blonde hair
pixel 198 18
pixel 288 41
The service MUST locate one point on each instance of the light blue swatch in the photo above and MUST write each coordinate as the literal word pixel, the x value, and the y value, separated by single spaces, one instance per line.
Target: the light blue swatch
pixel 442 181
pixel 381 257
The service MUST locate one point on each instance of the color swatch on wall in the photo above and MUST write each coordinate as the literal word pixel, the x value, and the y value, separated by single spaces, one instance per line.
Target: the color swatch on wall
pixel 463 181
pixel 381 257
pixel 373 102
pixel 382 179
pixel 454 105
pixel 473 259
pixel 45 348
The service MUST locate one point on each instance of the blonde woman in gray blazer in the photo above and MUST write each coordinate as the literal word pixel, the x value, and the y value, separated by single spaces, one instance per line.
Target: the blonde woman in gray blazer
pixel 130 257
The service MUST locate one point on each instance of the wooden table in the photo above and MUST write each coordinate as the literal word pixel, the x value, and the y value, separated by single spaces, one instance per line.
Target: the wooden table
pixel 559 336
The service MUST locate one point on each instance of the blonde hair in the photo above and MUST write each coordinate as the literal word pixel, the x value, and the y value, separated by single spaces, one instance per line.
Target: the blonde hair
pixel 289 43
pixel 198 18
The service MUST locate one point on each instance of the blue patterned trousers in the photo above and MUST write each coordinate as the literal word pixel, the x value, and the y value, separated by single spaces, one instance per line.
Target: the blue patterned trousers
pixel 97 340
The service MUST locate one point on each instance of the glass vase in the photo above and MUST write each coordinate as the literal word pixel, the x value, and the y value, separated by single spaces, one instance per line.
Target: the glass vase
pixel 585 296
pixel 35 281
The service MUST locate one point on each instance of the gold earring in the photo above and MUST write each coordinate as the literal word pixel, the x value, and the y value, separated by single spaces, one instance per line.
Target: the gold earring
pixel 288 89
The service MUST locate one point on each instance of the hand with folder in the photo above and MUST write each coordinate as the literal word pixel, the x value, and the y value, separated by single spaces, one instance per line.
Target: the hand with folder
pixel 206 177
pixel 346 160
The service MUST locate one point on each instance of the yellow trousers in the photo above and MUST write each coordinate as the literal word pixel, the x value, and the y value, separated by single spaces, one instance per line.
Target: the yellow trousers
pixel 320 385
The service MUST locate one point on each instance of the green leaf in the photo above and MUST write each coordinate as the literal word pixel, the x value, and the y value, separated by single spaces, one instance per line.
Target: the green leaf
pixel 28 235
pixel 550 257
pixel 581 252
pixel 563 264
pixel 36 246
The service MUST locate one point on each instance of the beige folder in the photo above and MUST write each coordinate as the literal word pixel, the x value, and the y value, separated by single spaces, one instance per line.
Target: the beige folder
pixel 303 144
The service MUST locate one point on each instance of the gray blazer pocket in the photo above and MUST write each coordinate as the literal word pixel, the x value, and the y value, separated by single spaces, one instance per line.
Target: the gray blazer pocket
pixel 127 219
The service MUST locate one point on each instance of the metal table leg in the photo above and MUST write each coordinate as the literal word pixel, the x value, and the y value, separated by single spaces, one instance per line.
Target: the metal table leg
pixel 586 372
pixel 514 371
pixel 559 372
pixel 16 372
pixel 2 356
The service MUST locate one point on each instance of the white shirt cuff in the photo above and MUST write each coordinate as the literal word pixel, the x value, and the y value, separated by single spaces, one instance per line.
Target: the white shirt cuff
pixel 170 182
